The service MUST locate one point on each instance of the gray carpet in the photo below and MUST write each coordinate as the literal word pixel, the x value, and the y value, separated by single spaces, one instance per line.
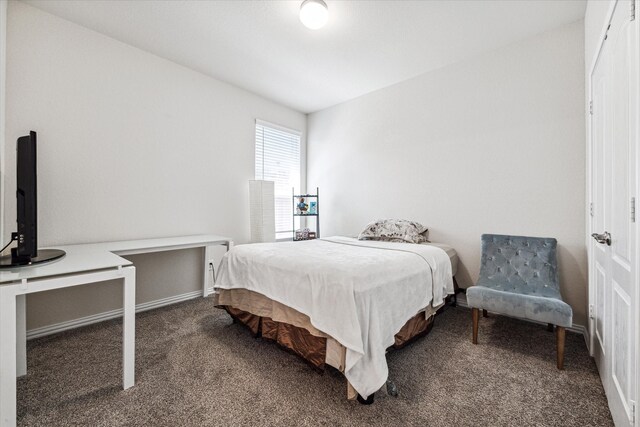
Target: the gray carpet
pixel 195 368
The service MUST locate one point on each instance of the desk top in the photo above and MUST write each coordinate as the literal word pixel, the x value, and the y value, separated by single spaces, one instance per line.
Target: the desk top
pixel 131 247
pixel 100 256
pixel 76 260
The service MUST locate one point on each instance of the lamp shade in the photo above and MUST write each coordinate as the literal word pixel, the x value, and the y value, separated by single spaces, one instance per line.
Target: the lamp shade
pixel 262 211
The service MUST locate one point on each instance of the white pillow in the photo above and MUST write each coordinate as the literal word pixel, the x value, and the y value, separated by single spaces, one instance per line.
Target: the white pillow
pixel 395 230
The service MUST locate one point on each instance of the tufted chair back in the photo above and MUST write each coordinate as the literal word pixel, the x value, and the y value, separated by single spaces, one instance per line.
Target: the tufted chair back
pixel 519 264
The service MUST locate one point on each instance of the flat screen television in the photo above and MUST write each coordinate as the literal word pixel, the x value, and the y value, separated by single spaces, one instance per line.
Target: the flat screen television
pixel 27 199
pixel 26 251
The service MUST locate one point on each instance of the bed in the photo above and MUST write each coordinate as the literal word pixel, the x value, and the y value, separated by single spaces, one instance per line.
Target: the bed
pixel 338 301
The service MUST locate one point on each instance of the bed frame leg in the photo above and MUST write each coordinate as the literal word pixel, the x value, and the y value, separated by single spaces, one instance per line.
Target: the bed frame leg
pixel 456 289
pixel 367 401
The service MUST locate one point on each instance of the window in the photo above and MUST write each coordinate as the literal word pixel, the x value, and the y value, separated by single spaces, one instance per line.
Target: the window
pixel 278 160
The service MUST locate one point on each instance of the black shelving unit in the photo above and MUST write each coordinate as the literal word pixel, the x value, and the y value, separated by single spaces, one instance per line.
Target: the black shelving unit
pixel 297 213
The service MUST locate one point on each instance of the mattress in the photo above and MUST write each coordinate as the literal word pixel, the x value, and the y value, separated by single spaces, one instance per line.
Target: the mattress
pixel 453 255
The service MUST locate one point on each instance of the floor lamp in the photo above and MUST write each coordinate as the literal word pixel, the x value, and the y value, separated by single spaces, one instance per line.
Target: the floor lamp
pixel 262 211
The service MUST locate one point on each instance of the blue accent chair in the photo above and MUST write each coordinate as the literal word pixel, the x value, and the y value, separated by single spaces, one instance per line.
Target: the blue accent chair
pixel 519 278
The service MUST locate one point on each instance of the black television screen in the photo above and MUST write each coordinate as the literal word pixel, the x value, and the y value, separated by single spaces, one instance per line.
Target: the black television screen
pixel 26 251
pixel 26 193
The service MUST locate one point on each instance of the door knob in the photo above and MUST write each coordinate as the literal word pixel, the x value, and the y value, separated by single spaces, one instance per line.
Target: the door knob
pixel 602 238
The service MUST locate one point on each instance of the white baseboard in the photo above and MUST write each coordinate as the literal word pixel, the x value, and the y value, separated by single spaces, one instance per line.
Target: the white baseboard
pixel 578 329
pixel 150 305
pixel 108 315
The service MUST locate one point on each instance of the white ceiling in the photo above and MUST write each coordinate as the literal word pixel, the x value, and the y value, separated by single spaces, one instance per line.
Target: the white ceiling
pixel 261 46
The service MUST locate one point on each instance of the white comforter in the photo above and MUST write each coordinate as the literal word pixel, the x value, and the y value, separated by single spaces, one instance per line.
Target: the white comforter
pixel 359 292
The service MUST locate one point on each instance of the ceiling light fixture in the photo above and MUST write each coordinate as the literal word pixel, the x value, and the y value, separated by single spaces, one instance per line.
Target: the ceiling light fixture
pixel 314 14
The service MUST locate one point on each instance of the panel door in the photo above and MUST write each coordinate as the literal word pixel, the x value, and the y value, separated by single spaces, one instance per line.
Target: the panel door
pixel 600 279
pixel 613 263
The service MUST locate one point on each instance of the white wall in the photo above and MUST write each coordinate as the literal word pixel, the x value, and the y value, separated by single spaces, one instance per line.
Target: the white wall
pixel 3 74
pixel 129 146
pixel 494 144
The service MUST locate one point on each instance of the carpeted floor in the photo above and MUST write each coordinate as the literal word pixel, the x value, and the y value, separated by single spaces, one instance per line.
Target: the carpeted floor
pixel 195 368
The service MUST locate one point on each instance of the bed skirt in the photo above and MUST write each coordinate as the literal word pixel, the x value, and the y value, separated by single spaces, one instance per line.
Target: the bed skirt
pixel 294 332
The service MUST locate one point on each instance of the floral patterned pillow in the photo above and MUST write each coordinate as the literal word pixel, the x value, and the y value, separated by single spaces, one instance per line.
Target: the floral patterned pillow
pixel 395 230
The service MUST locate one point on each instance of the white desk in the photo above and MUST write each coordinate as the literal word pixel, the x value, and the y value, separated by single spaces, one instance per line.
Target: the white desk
pixel 135 247
pixel 76 268
pixel 82 265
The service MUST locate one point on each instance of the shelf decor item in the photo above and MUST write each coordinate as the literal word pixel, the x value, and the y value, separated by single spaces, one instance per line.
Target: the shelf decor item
pixel 304 234
pixel 302 206
pixel 306 205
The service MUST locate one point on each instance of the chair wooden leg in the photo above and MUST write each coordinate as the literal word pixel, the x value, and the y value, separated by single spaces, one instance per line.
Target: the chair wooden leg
pixel 475 315
pixel 484 313
pixel 560 335
pixel 550 327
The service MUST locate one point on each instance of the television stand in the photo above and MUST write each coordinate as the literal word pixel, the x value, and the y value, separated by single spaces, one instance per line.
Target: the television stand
pixel 44 255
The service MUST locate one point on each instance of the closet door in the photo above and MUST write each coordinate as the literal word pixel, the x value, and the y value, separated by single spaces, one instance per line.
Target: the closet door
pixel 614 259
pixel 600 279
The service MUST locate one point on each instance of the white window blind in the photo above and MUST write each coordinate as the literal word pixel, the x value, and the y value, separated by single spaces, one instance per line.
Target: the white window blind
pixel 278 160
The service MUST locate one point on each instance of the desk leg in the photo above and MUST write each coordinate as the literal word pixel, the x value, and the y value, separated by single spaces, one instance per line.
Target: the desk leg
pixel 129 327
pixel 205 278
pixel 21 334
pixel 7 356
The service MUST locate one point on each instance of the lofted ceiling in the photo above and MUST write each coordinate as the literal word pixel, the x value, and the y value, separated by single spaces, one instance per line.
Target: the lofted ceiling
pixel 261 46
